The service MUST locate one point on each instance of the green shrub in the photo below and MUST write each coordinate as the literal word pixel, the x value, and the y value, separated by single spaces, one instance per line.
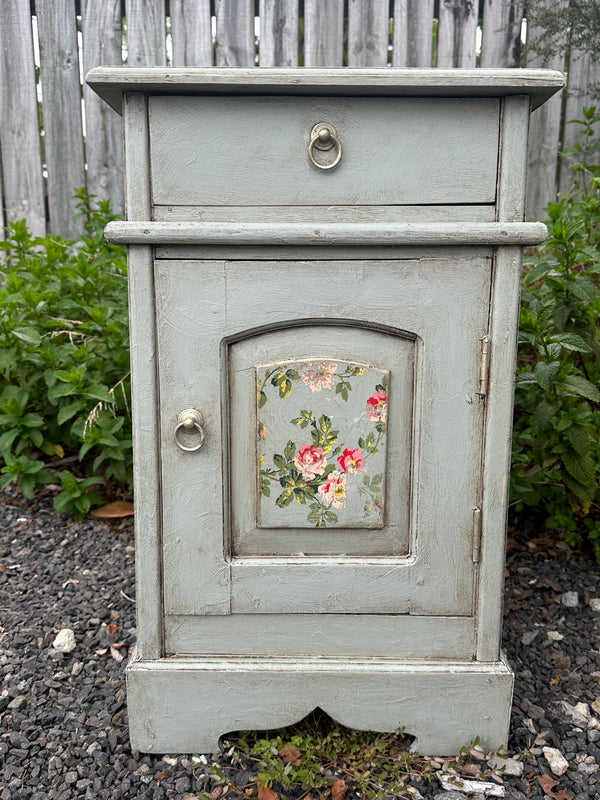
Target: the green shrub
pixel 556 441
pixel 64 361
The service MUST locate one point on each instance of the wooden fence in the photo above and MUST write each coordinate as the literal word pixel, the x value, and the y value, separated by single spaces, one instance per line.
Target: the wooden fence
pixel 57 136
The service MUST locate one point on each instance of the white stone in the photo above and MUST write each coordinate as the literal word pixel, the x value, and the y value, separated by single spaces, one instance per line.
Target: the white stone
pixel 506 766
pixel 570 599
pixel 584 709
pixel 595 603
pixel 65 641
pixel 484 788
pixel 555 636
pixel 557 762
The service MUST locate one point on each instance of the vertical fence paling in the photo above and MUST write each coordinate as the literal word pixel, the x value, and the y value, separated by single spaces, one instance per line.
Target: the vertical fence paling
pixel 323 33
pixel 191 33
pixel 102 44
pixel 279 32
pixel 325 42
pixel 457 33
pixel 63 132
pixel 20 142
pixel 235 33
pixel 368 33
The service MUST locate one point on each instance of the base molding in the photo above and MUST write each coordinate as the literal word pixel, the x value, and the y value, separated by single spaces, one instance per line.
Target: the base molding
pixel 184 704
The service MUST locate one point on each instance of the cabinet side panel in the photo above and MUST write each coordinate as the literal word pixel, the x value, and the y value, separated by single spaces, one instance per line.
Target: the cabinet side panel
pixel 144 388
pixel 503 351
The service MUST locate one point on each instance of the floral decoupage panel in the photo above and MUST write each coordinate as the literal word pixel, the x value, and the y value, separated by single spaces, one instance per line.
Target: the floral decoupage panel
pixel 321 444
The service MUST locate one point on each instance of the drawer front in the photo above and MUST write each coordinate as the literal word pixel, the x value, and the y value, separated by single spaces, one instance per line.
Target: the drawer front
pixel 217 151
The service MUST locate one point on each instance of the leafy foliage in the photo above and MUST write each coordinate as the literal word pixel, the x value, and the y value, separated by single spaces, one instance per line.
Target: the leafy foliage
pixel 64 361
pixel 556 437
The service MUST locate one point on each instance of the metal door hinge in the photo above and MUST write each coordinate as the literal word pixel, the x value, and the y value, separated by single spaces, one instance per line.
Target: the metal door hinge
pixel 476 534
pixel 485 361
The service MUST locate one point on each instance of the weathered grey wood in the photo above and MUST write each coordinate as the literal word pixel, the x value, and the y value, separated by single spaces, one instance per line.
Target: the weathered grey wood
pixel 584 74
pixel 503 354
pixel 445 213
pixel 368 33
pixel 323 33
pixel 63 132
pixel 102 41
pixel 367 635
pixel 110 83
pixel 235 33
pixel 2 217
pixel 457 33
pixel 145 394
pixel 413 33
pixel 453 155
pixel 330 233
pixel 167 698
pixel 544 125
pixel 19 128
pixel 501 33
pixel 191 33
pixel 146 33
pixel 278 43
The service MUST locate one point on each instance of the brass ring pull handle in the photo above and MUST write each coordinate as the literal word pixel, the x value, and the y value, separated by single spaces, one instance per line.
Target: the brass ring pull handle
pixel 190 421
pixel 324 137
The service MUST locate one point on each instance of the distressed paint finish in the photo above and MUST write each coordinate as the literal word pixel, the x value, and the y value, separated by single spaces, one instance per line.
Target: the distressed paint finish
pixel 198 305
pixel 19 127
pixel 404 632
pixel 145 392
pixel 368 635
pixel 102 41
pixel 59 66
pixel 453 146
pixel 503 356
pixel 278 44
pixel 328 234
pixel 538 84
pixel 444 706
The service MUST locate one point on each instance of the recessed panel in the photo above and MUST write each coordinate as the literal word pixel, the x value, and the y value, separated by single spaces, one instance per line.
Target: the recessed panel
pixel 321 424
pixel 322 444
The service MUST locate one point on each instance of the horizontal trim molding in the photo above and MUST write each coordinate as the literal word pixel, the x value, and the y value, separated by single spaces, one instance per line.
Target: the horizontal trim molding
pixel 111 82
pixel 329 233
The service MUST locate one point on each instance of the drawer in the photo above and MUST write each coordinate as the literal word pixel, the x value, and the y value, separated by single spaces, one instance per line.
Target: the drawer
pixel 254 151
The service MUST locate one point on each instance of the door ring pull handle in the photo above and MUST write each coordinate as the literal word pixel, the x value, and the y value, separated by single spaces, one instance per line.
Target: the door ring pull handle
pixel 324 137
pixel 190 421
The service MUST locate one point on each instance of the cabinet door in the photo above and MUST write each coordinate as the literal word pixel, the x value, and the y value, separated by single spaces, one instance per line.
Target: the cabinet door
pixel 340 470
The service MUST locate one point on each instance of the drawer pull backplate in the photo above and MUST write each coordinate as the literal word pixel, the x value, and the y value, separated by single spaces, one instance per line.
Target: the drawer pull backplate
pixel 324 137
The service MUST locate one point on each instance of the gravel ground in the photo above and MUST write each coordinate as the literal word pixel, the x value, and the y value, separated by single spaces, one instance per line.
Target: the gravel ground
pixel 63 717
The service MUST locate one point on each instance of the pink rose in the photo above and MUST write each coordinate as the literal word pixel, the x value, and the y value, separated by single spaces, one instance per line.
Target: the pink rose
pixel 334 490
pixel 351 461
pixel 310 461
pixel 377 406
pixel 318 376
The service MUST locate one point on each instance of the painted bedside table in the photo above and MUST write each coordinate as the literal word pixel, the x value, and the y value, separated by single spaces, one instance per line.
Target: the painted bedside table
pixel 324 284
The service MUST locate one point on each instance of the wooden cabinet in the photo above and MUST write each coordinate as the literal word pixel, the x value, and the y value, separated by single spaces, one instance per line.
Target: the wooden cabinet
pixel 324 272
